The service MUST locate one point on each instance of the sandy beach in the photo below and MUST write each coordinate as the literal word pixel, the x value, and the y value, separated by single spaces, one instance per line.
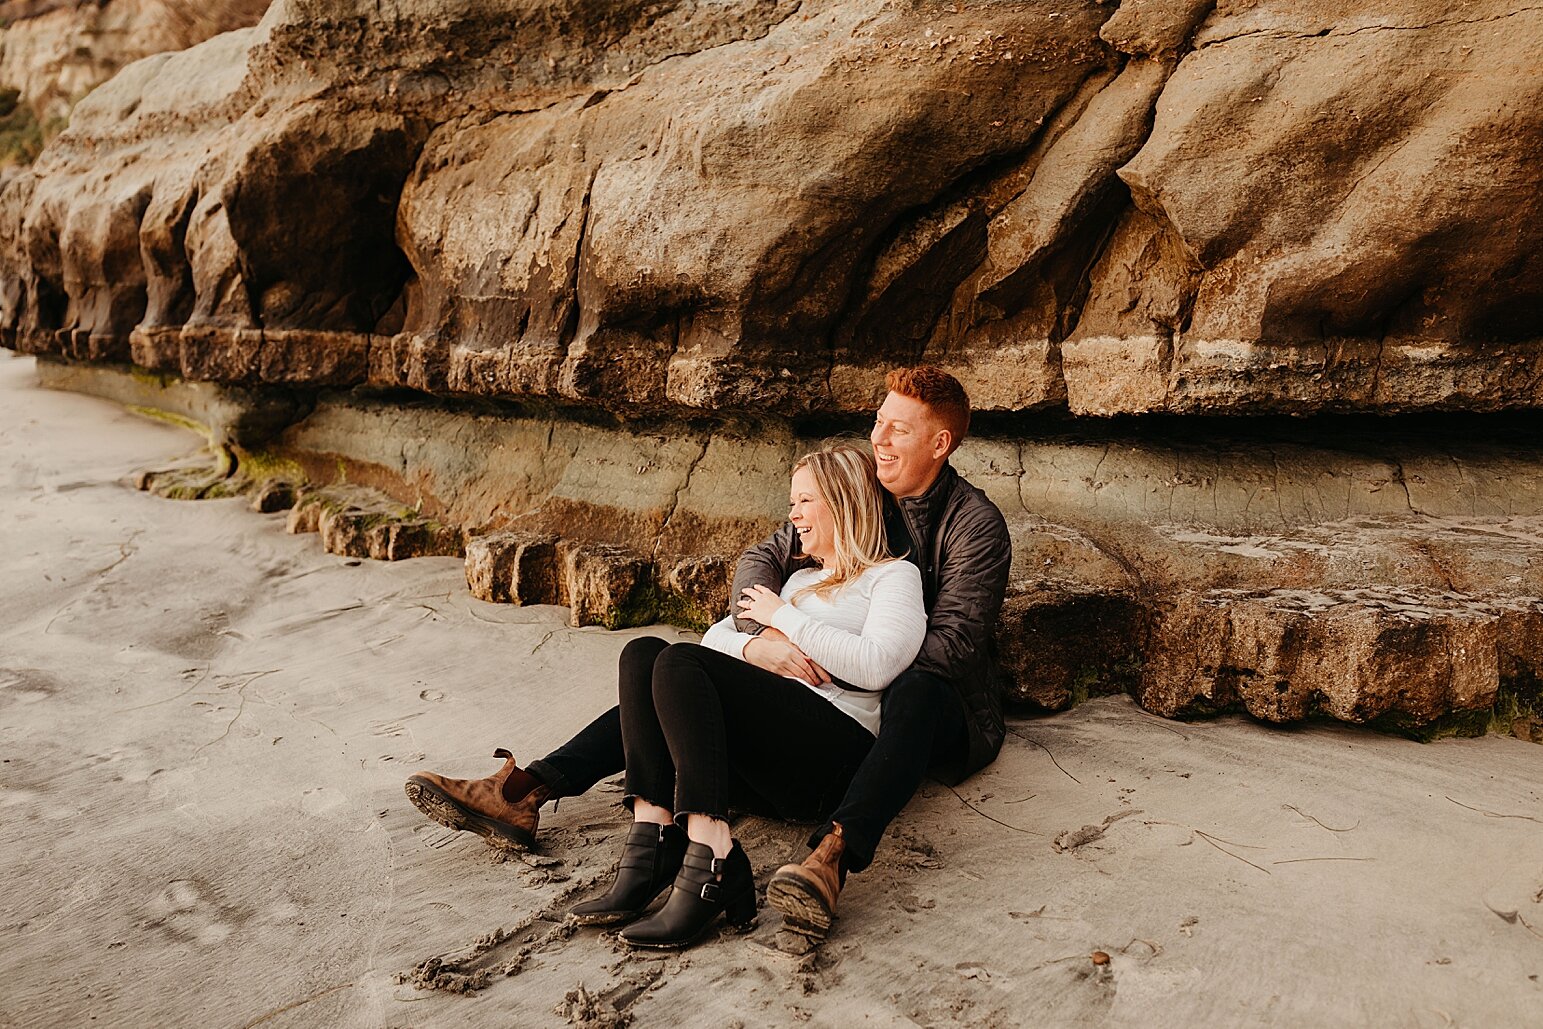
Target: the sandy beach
pixel 205 724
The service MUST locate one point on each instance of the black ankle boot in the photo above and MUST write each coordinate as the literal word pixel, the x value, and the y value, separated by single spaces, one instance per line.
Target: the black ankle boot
pixel 705 886
pixel 649 860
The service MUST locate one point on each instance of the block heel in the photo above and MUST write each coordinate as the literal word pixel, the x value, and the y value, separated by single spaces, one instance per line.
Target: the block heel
pixel 740 911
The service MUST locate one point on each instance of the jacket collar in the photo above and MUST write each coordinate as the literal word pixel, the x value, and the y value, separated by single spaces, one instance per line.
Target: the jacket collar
pixel 926 510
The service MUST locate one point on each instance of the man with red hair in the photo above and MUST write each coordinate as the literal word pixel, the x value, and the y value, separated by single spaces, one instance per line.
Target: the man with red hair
pixel 943 713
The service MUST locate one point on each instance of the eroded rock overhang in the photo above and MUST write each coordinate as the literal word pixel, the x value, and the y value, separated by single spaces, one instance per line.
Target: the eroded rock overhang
pixel 1161 205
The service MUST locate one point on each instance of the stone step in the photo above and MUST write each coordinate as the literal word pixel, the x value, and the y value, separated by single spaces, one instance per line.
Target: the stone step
pixel 1405 656
pixel 600 583
pixel 356 522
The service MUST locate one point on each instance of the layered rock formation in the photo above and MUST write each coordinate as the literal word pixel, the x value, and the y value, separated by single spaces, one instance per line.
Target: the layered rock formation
pixel 1391 578
pixel 756 205
pixel 54 52
pixel 669 236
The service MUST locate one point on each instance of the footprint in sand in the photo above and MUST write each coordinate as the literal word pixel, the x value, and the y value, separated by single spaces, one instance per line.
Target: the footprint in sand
pixel 282 912
pixel 437 836
pixel 434 695
pixel 125 764
pixel 27 685
pixel 188 912
pixel 1515 895
pixel 321 800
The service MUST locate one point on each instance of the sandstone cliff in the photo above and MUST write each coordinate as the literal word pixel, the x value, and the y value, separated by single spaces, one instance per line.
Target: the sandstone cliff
pixel 666 240
pixel 1164 205
pixel 54 52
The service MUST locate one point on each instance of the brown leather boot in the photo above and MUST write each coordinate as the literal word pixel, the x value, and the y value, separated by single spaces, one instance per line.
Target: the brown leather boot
pixel 806 893
pixel 484 806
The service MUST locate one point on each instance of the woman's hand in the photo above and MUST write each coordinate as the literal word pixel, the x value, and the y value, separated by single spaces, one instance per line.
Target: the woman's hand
pixel 759 603
pixel 772 651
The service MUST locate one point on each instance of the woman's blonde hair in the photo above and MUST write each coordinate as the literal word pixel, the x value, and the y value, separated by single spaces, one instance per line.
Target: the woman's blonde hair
pixel 848 481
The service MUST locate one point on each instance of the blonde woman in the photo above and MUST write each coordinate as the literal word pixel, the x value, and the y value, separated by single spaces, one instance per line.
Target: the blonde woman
pixel 702 728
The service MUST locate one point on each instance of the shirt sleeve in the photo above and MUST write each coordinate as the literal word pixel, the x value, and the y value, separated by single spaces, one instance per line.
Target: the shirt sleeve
pixel 892 633
pixel 725 639
pixel 768 563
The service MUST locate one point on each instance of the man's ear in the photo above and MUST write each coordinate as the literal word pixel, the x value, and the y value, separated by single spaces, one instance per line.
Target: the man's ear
pixel 942 442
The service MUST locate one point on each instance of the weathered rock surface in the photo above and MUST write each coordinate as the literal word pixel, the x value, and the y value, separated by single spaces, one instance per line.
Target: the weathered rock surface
pixel 591 274
pixel 55 52
pixel 600 584
pixel 1338 256
pixel 1409 655
pixel 207 475
pixel 273 496
pixel 1395 580
pixel 513 568
pixel 1148 206
pixel 357 522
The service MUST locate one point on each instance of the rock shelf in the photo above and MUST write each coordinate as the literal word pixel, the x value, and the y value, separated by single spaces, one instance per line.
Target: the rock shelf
pixel 1397 584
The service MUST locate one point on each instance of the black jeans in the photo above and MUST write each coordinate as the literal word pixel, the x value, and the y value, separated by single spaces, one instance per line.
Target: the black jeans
pixel 705 730
pixel 922 720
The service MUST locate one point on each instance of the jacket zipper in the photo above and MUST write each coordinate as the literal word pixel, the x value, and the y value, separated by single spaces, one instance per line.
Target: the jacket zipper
pixel 920 544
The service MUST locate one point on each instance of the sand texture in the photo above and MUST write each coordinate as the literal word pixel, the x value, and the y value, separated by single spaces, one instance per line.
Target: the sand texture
pixel 205 724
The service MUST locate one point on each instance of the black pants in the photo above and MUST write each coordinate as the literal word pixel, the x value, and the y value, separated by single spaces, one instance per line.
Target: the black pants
pixel 922 719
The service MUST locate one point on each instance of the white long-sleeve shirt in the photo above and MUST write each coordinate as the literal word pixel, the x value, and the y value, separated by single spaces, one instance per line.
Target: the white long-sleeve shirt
pixel 866 634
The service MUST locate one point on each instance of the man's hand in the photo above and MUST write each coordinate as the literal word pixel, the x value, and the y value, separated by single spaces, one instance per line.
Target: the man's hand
pixel 775 653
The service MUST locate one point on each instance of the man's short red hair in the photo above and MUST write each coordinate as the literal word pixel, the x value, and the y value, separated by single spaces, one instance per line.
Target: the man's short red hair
pixel 938 390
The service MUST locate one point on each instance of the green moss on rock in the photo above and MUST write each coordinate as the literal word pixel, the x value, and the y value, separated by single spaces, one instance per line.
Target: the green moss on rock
pixel 651 603
pixel 1465 724
pixel 263 465
pixel 172 418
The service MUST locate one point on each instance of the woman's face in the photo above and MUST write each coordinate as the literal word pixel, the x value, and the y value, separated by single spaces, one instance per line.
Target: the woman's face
pixel 811 516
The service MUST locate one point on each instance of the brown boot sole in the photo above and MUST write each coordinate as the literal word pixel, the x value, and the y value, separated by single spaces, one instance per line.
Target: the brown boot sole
pixel 803 908
pixel 435 803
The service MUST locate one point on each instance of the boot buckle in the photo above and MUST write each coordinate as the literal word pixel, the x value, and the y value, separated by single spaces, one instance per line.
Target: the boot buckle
pixel 712 892
pixel 717 865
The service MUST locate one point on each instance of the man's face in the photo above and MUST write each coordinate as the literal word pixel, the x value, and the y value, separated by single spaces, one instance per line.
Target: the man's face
pixel 909 444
